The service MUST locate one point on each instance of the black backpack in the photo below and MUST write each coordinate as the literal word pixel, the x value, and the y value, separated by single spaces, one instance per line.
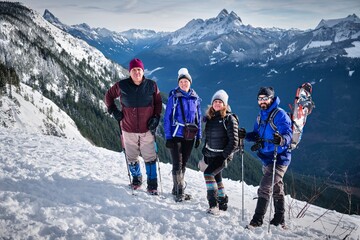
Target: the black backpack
pixel 237 119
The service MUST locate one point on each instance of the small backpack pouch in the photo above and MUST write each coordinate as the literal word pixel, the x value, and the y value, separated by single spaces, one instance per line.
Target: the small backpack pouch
pixel 190 131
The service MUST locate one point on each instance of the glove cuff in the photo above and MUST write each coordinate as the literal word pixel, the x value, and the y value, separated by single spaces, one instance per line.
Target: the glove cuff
pixel 112 109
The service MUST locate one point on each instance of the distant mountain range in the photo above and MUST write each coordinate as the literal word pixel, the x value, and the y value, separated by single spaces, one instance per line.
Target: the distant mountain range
pixel 220 52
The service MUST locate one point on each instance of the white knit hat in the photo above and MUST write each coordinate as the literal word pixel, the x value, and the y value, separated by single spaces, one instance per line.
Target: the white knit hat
pixel 220 95
pixel 184 73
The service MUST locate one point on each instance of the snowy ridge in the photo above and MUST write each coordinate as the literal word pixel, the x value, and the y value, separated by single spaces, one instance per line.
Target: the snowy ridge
pixel 332 22
pixel 31 112
pixel 39 50
pixel 79 49
pixel 60 188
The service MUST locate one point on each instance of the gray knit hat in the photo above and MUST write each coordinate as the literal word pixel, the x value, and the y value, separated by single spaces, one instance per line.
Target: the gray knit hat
pixel 184 73
pixel 220 95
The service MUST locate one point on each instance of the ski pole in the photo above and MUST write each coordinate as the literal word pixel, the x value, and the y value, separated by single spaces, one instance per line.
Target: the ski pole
pixel 272 184
pixel 126 159
pixel 242 177
pixel 158 161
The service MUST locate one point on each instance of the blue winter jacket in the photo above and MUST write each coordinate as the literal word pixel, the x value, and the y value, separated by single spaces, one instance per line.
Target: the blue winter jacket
pixel 173 118
pixel 264 131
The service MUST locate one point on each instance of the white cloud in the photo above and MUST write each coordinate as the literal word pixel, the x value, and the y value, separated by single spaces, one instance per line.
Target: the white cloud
pixel 170 16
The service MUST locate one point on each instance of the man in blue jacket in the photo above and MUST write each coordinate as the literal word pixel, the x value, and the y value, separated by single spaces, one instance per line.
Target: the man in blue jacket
pixel 272 129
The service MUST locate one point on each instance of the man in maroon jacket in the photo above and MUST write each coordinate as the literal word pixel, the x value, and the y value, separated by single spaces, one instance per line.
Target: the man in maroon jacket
pixel 141 107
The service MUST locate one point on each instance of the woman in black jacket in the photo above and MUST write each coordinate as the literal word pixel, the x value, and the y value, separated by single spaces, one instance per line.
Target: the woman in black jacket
pixel 221 141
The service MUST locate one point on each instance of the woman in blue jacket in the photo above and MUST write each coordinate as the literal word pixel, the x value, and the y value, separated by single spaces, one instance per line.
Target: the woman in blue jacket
pixel 182 108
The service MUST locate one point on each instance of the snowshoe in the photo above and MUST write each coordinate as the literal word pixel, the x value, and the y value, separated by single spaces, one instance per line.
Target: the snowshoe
pixel 281 224
pixel 213 211
pixel 135 186
pixel 179 198
pixel 187 197
pixel 182 197
pixel 253 225
pixel 250 227
pixel 153 192
pixel 302 107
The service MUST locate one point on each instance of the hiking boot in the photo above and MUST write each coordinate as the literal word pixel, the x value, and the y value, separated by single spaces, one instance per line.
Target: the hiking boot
pixel 223 203
pixel 260 211
pixel 152 185
pixel 178 187
pixel 279 219
pixel 136 182
pixel 254 224
pixel 212 198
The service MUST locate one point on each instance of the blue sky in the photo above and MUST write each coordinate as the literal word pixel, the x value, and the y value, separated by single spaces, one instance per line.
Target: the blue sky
pixel 170 15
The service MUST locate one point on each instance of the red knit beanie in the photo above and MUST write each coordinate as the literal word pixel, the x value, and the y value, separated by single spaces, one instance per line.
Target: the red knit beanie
pixel 136 63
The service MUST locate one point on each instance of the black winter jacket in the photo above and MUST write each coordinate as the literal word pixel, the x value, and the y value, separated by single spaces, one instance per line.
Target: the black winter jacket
pixel 221 141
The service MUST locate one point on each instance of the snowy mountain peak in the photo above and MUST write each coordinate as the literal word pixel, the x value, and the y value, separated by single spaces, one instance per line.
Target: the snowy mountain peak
pixel 329 23
pixel 50 17
pixel 224 15
pixel 141 34
pixel 83 26
pixel 198 29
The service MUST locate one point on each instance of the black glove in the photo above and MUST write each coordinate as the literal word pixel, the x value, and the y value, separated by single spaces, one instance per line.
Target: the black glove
pixel 197 143
pixel 257 146
pixel 253 136
pixel 169 143
pixel 153 123
pixel 116 113
pixel 277 138
pixel 242 133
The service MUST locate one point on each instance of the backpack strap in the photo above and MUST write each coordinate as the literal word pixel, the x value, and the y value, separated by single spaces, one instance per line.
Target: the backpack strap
pixel 183 113
pixel 271 118
pixel 175 102
pixel 226 118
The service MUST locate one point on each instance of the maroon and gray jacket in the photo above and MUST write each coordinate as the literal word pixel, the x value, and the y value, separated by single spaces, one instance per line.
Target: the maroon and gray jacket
pixel 138 102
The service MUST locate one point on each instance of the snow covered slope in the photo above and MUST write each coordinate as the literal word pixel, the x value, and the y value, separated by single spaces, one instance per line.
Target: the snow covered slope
pixel 30 111
pixel 56 188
